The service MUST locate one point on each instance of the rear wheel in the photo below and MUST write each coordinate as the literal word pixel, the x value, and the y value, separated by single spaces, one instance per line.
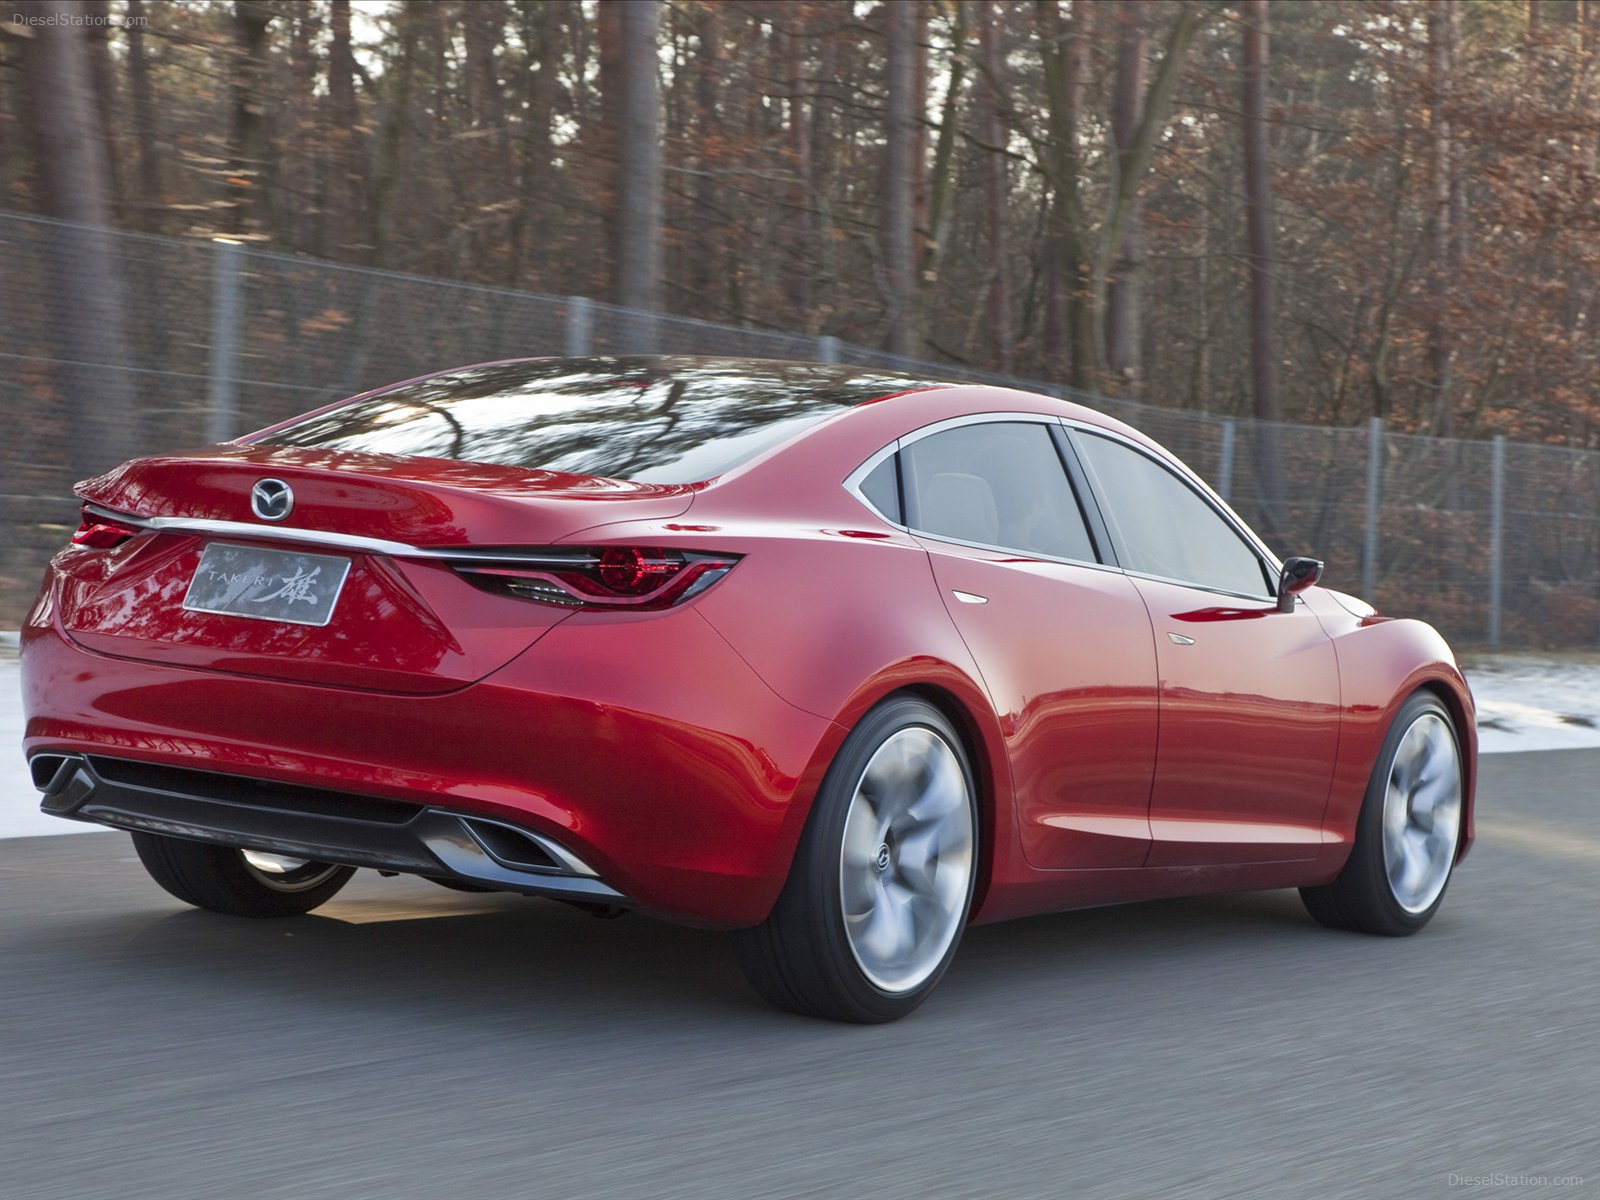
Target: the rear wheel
pixel 881 884
pixel 242 883
pixel 1408 832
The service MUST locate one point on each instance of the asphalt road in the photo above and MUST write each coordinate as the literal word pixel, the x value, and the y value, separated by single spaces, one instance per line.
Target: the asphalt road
pixel 413 1042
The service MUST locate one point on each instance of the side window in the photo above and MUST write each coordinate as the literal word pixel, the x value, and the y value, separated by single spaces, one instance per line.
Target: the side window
pixel 881 487
pixel 1164 526
pixel 999 484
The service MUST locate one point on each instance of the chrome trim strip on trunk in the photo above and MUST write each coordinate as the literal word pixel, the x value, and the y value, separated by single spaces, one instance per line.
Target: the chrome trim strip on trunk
pixel 345 541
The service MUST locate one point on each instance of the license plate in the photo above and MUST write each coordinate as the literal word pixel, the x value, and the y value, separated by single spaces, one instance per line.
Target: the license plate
pixel 266 585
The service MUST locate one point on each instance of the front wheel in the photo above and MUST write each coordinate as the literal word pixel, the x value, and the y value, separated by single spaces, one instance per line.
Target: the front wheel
pixel 1408 832
pixel 882 881
pixel 242 883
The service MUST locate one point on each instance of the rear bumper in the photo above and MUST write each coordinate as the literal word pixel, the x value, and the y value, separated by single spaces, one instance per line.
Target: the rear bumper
pixel 641 746
pixel 203 806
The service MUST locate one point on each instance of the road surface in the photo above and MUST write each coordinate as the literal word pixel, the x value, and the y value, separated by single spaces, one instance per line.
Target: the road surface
pixel 411 1042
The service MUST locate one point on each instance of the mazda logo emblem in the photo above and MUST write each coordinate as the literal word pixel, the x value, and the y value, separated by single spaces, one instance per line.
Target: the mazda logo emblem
pixel 272 499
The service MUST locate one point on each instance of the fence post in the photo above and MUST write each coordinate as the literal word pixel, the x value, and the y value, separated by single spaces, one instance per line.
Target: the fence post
pixel 222 391
pixel 827 349
pixel 1225 467
pixel 1497 528
pixel 580 327
pixel 1369 545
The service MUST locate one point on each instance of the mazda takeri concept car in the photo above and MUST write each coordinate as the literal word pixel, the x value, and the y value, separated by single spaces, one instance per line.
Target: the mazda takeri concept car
pixel 839 660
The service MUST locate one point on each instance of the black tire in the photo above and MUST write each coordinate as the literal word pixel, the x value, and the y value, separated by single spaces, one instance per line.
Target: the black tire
pixel 221 879
pixel 1398 870
pixel 901 779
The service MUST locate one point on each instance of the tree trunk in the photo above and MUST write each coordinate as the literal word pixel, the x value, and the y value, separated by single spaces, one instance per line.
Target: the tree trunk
pixel 541 36
pixel 996 191
pixel 1443 26
pixel 1123 308
pixel 249 186
pixel 802 220
pixel 149 206
pixel 1065 50
pixel 97 45
pixel 69 158
pixel 1149 112
pixel 706 275
pixel 1258 215
pixel 488 179
pixel 941 182
pixel 634 88
pixel 899 178
pixel 344 182
pixel 392 135
pixel 305 218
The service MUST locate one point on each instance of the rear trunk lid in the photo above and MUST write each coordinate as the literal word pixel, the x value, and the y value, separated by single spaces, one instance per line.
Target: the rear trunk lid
pixel 354 586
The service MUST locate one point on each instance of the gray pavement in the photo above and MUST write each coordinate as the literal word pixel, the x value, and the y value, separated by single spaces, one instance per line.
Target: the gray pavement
pixel 412 1042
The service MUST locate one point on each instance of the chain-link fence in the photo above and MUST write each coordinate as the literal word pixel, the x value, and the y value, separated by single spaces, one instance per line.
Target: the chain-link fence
pixel 1495 543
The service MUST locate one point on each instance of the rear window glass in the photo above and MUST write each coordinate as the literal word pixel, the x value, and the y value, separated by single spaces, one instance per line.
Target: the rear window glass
pixel 649 420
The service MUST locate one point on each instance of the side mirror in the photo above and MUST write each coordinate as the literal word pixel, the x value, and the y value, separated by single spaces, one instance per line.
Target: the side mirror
pixel 1297 575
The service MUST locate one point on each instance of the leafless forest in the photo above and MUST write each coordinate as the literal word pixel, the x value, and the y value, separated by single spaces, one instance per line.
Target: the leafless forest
pixel 1316 211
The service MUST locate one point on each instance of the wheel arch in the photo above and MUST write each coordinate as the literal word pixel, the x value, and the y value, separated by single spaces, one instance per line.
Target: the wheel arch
pixel 986 755
pixel 1382 664
pixel 1464 718
pixel 965 705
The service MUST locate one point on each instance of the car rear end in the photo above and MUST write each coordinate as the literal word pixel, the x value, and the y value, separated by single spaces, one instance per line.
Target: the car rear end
pixel 392 635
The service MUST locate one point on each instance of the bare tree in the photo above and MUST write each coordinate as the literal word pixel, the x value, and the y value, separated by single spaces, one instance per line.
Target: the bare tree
pixel 996 190
pixel 1064 47
pixel 1127 110
pixel 1259 218
pixel 899 176
pixel 942 178
pixel 633 86
pixel 144 120
pixel 69 159
pixel 1444 25
pixel 251 142
pixel 540 28
pixel 344 181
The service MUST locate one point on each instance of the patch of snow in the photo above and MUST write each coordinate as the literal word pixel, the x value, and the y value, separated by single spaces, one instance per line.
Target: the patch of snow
pixel 1535 702
pixel 19 802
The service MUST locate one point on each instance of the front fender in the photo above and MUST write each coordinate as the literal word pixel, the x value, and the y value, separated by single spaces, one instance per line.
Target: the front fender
pixel 1382 662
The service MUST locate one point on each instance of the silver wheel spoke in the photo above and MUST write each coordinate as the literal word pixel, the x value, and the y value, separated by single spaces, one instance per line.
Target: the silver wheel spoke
pixel 1422 812
pixel 861 836
pixel 282 873
pixel 884 932
pixel 905 859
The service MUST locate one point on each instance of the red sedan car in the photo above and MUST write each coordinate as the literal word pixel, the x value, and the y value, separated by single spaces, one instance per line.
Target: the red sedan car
pixel 841 660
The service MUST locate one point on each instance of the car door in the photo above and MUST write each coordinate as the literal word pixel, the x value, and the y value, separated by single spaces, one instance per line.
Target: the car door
pixel 1249 696
pixel 1061 640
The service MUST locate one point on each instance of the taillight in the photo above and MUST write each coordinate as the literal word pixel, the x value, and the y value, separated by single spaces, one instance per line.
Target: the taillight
pixel 632 571
pixel 98 531
pixel 607 578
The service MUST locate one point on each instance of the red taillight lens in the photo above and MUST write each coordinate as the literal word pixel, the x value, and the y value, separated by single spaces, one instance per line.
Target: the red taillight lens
pixel 632 571
pixel 638 578
pixel 100 532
